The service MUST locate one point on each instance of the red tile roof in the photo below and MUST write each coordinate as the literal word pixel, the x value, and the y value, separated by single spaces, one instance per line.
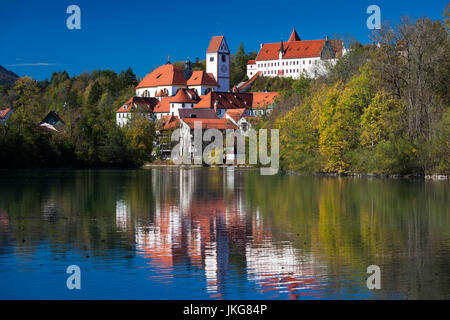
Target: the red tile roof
pixel 165 75
pixel 197 113
pixel 220 124
pixel 294 36
pixel 236 114
pixel 214 44
pixel 263 99
pixel 201 78
pixel 296 49
pixel 170 122
pixel 164 105
pixel 193 94
pixel 225 100
pixel 147 102
pixel 4 112
pixel 182 97
pixel 251 62
pixel 248 83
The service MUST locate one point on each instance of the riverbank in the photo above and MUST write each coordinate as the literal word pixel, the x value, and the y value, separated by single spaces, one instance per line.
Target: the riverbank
pixel 437 177
pixel 373 175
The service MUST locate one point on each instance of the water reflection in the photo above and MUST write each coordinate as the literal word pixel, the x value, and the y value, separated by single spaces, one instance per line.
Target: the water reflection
pixel 226 233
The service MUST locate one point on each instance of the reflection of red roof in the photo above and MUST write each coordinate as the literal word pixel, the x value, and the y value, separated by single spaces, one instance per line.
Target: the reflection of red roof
pixel 165 75
pixel 296 49
pixel 201 78
pixel 263 99
pixel 225 100
pixel 220 124
pixel 214 44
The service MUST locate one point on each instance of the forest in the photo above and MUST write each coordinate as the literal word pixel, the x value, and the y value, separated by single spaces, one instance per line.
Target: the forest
pixel 87 105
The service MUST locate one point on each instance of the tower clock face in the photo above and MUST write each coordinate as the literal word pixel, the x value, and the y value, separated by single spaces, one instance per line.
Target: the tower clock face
pixel 224 68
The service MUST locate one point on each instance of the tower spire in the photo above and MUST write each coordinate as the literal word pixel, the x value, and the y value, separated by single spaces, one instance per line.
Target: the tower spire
pixel 294 36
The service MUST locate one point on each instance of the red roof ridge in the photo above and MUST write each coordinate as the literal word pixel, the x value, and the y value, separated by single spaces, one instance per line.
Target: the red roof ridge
pixel 214 44
pixel 202 78
pixel 211 123
pixel 167 74
pixel 181 97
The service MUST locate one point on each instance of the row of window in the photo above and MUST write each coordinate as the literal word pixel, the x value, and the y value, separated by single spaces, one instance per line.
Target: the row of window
pixel 146 93
pixel 284 63
pixel 128 115
pixel 281 71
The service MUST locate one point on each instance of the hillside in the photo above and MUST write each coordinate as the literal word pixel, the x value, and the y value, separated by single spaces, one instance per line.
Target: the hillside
pixel 7 78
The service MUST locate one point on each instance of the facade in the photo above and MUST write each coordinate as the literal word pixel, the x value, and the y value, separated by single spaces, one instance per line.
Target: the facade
pixel 218 62
pixel 142 105
pixel 187 125
pixel 295 57
pixel 222 101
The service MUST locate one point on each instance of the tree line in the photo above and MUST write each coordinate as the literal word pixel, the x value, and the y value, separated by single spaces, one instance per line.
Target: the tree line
pixel 87 104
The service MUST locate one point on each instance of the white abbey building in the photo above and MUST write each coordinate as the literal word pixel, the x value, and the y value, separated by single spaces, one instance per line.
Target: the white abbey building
pixel 294 57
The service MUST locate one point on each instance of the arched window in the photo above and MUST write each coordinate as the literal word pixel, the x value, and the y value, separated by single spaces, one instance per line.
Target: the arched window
pixel 224 58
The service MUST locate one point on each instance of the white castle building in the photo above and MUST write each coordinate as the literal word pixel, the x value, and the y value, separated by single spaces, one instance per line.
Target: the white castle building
pixel 294 57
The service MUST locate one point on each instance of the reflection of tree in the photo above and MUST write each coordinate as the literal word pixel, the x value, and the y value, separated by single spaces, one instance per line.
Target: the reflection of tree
pixel 353 223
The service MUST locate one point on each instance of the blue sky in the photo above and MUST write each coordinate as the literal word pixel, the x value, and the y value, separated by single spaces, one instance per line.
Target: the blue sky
pixel 141 34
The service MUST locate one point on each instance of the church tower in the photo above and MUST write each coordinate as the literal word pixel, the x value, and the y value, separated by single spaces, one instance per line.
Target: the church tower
pixel 218 62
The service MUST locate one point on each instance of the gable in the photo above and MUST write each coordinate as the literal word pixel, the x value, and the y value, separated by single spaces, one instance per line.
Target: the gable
pixel 218 44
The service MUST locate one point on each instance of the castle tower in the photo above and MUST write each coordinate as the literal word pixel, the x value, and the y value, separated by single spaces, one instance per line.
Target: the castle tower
pixel 218 62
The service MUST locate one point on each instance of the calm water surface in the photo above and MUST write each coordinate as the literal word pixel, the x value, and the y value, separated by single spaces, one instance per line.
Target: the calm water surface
pixel 220 233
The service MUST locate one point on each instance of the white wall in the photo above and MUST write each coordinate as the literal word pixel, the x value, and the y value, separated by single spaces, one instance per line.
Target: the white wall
pixel 152 91
pixel 201 89
pixel 211 66
pixel 122 118
pixel 251 70
pixel 174 107
pixel 292 67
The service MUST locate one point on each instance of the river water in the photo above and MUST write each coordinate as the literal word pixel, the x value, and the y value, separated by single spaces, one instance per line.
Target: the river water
pixel 220 233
